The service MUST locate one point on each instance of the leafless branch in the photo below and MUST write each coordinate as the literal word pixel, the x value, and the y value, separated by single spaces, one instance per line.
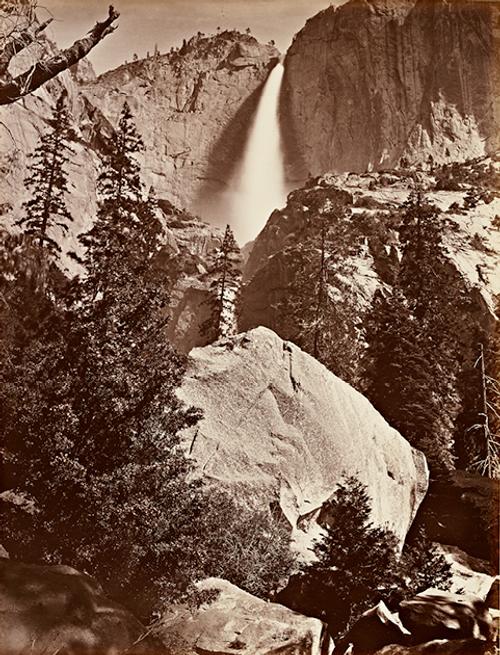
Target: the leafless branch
pixel 46 69
pixel 17 43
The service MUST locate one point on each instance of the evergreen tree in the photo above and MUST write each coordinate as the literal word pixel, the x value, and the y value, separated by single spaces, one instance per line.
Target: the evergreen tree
pixel 400 377
pixel 411 368
pixel 48 181
pixel 315 309
pixel 90 417
pixel 223 288
pixel 97 448
pixel 421 235
pixel 357 564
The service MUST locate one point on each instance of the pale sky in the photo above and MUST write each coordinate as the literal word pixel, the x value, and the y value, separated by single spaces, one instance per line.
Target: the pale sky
pixel 143 23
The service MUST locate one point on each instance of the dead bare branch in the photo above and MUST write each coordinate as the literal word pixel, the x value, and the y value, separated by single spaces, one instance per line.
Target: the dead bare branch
pixel 46 69
pixel 17 43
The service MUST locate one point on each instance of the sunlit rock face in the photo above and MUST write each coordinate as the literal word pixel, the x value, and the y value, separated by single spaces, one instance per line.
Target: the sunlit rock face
pixel 193 108
pixel 21 125
pixel 376 80
pixel 278 427
pixel 237 622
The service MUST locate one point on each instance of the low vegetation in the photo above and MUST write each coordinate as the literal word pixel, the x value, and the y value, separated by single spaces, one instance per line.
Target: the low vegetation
pixel 358 564
pixel 91 422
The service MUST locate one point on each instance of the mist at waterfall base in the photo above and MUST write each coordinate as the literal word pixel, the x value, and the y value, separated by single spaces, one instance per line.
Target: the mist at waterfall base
pixel 256 186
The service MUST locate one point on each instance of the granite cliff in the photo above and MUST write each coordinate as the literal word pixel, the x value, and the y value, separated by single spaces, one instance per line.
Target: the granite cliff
pixel 192 108
pixel 374 81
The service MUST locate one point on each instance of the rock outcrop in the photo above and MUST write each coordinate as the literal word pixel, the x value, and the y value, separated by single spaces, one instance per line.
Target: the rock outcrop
pixel 55 609
pixel 189 243
pixel 192 106
pixel 374 81
pixel 471 238
pixel 278 426
pixel 446 616
pixel 368 244
pixel 237 622
pixel 470 575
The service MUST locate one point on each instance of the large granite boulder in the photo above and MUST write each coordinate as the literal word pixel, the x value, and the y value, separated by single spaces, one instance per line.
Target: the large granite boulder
pixel 55 609
pixel 237 622
pixel 278 426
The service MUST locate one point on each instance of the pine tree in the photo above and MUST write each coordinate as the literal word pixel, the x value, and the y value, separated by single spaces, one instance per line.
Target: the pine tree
pixel 411 368
pixel 421 235
pixel 48 180
pixel 98 442
pixel 401 377
pixel 315 309
pixel 357 563
pixel 223 288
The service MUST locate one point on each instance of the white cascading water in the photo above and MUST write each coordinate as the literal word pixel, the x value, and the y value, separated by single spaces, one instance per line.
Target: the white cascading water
pixel 259 184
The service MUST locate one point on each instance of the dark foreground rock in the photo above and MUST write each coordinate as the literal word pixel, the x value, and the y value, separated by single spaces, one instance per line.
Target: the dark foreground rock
pixel 237 622
pixel 55 609
pixel 446 616
pixel 462 511
pixel 440 647
pixel 375 628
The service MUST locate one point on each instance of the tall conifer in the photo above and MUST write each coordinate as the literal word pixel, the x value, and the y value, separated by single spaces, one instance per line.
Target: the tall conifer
pixel 48 181
pixel 314 308
pixel 102 427
pixel 223 288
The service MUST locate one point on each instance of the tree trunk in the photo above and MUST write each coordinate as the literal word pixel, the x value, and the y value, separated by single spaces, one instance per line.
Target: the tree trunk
pixel 11 89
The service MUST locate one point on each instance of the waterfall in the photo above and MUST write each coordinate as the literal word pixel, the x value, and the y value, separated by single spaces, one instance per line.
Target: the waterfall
pixel 258 186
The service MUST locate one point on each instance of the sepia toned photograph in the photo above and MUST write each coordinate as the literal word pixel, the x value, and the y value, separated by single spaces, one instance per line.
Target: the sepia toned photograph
pixel 249 327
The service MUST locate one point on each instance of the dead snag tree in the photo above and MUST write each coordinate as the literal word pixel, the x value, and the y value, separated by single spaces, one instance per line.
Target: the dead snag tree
pixel 14 41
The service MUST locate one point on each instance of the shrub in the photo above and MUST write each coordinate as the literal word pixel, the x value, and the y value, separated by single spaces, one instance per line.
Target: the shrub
pixel 248 547
pixel 358 564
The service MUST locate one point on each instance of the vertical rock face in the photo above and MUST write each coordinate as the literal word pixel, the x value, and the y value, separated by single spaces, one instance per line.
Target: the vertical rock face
pixel 21 125
pixel 192 108
pixel 376 80
pixel 189 244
